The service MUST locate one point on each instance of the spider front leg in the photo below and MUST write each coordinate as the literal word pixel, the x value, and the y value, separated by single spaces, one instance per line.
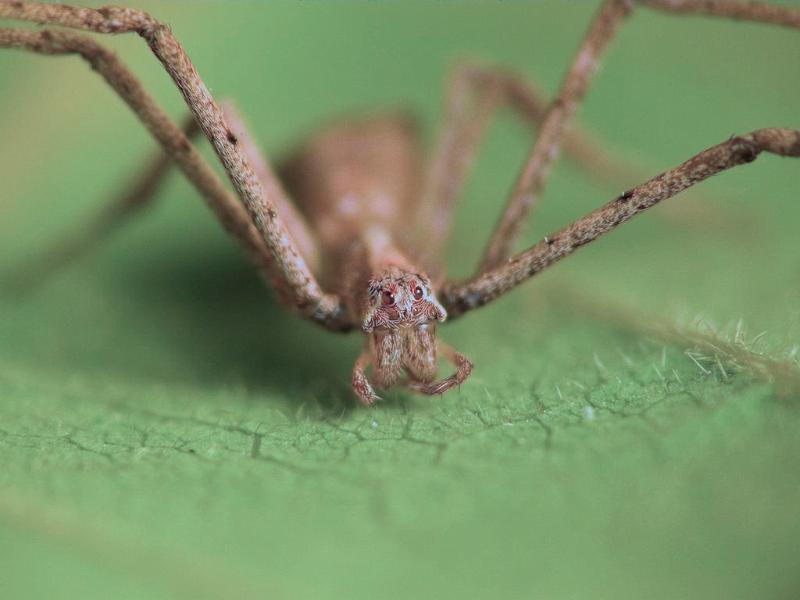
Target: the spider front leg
pixel 459 298
pixel 295 222
pixel 172 139
pixel 603 28
pixel 274 246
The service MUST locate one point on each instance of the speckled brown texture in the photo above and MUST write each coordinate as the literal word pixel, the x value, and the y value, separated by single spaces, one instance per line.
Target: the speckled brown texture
pixel 474 93
pixel 172 139
pixel 291 274
pixel 759 12
pixel 560 112
pixel 459 298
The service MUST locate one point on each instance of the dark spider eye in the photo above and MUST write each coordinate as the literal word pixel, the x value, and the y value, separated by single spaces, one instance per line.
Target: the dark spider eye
pixel 417 293
pixel 388 298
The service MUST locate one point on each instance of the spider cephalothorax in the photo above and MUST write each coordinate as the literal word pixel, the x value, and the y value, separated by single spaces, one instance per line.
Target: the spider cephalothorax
pixel 399 299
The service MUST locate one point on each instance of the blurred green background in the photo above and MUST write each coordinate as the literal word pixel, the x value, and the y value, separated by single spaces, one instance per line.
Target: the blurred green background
pixel 167 431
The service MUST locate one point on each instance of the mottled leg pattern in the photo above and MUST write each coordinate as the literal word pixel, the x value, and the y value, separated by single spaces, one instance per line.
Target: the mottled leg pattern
pixel 559 114
pixel 172 139
pixel 497 274
pixel 531 181
pixel 295 222
pixel 140 192
pixel 474 94
pixel 288 271
pixel 757 12
pixel 459 298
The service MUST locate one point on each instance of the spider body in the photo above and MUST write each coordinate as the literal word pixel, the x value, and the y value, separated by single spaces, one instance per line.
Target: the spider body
pixel 351 232
pixel 357 185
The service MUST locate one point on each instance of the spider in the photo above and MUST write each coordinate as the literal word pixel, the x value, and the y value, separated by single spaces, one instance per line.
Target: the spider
pixel 360 243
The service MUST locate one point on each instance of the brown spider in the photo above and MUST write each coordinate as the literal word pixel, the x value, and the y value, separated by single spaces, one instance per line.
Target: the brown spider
pixel 337 254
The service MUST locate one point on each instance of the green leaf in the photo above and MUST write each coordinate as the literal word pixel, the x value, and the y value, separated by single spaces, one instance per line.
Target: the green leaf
pixel 166 430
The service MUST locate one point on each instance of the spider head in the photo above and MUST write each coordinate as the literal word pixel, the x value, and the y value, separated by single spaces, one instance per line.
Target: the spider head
pixel 401 300
pixel 400 316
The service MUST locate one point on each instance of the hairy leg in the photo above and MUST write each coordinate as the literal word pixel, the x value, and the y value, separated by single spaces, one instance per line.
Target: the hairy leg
pixel 559 113
pixel 468 109
pixel 291 275
pixel 474 94
pixel 176 146
pixel 758 12
pixel 459 298
pixel 140 192
pixel 174 142
pixel 531 181
pixel 295 222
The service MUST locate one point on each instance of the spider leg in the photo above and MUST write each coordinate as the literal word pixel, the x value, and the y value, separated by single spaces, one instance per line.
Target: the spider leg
pixel 531 181
pixel 463 369
pixel 467 110
pixel 474 93
pixel 175 144
pixel 294 220
pixel 757 12
pixel 558 115
pixel 289 272
pixel 140 193
pixel 485 287
pixel 361 385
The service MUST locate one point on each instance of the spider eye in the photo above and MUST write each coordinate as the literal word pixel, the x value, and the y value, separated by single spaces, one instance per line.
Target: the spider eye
pixel 388 298
pixel 418 293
